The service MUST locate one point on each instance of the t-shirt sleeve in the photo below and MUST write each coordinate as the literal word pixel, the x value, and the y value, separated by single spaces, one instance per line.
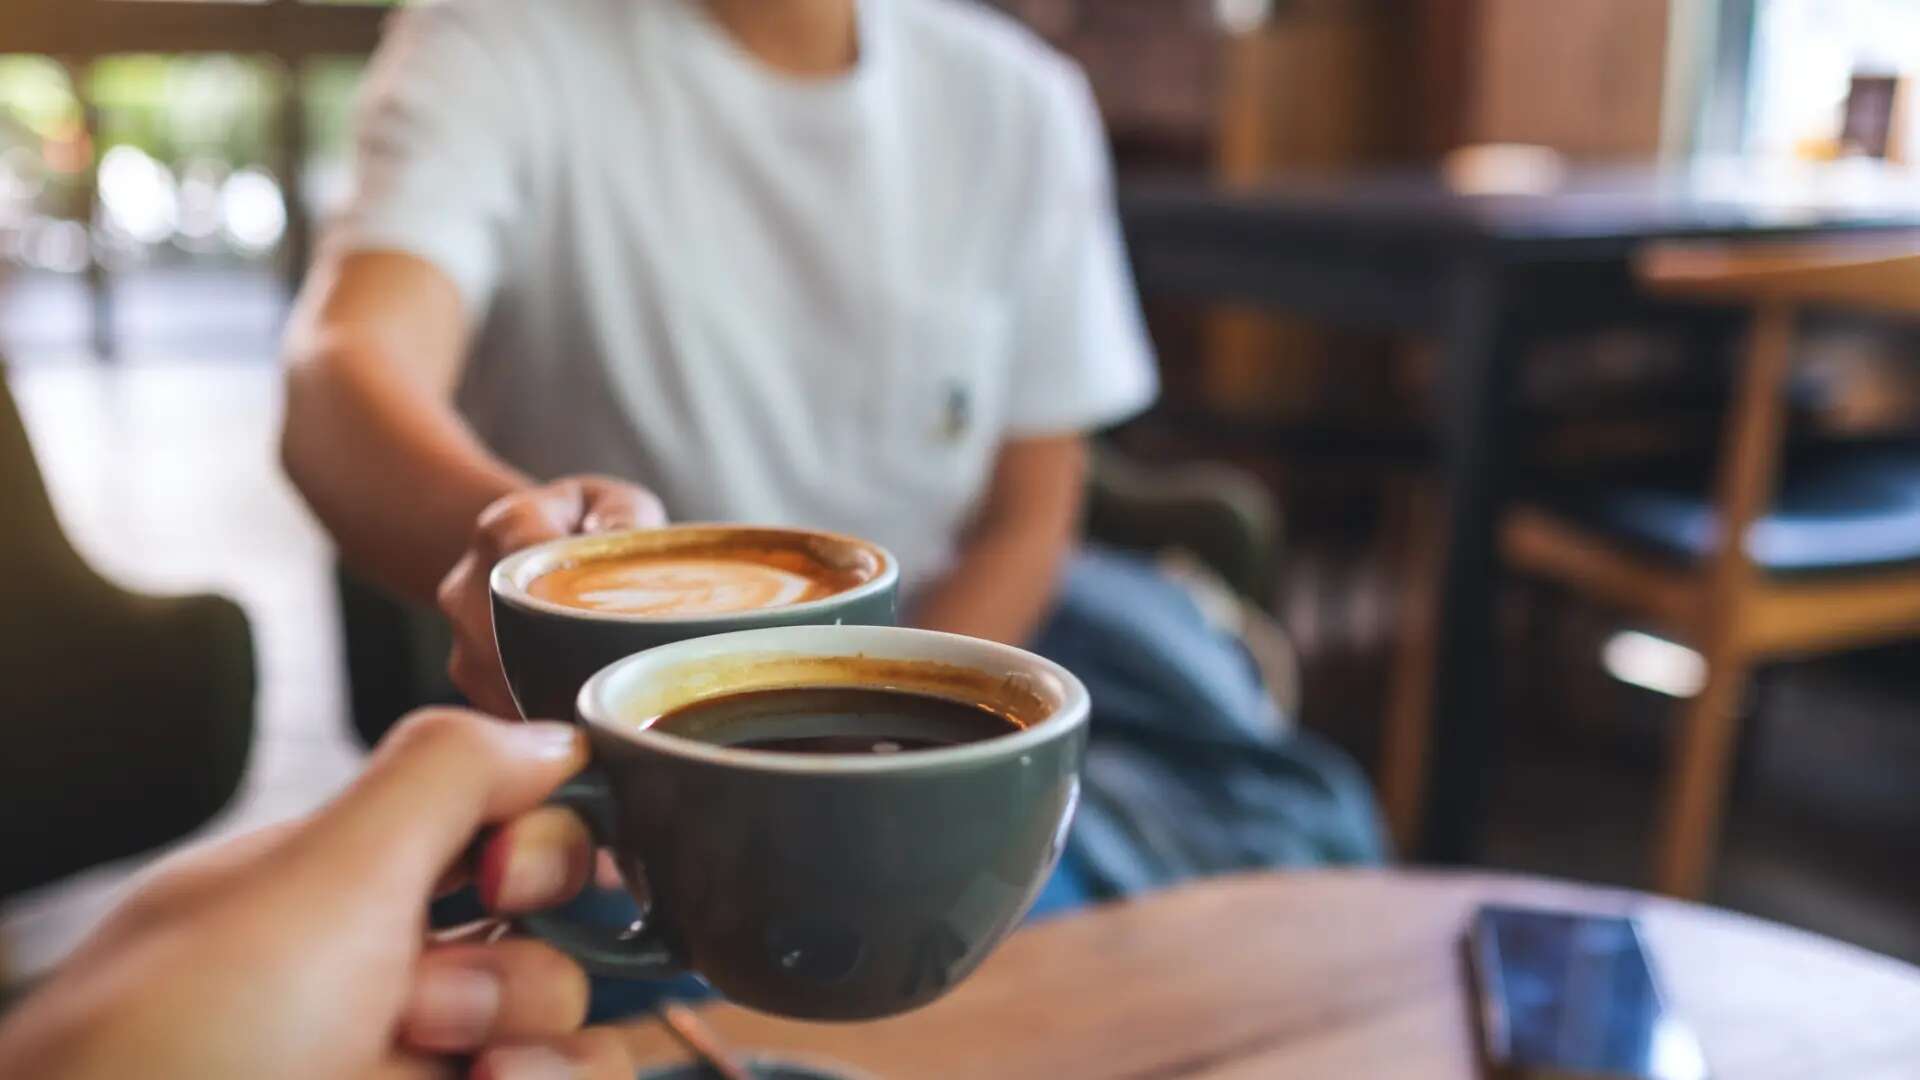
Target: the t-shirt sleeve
pixel 436 159
pixel 1081 357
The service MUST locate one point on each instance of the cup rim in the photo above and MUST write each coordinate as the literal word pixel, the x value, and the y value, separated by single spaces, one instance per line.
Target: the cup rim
pixel 504 580
pixel 1070 713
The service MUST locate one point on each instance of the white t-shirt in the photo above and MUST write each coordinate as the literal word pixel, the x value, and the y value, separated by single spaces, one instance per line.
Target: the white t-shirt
pixel 809 302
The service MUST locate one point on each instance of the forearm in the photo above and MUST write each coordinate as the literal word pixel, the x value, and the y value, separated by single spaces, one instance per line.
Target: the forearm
pixel 389 468
pixel 1001 586
pixel 1003 583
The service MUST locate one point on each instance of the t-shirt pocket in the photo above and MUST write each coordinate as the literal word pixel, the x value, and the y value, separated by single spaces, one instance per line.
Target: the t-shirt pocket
pixel 943 395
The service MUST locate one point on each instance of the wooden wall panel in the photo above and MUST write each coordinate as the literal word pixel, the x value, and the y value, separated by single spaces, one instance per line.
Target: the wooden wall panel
pixel 1319 90
pixel 1586 77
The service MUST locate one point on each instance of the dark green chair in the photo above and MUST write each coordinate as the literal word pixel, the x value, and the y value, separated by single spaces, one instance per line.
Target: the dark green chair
pixel 1219 513
pixel 128 717
pixel 397 653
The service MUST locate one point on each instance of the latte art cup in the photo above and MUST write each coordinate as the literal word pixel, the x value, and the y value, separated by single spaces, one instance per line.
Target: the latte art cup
pixel 549 649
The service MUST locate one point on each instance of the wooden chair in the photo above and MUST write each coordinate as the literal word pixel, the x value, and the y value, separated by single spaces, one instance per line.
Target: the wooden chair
pixel 1762 568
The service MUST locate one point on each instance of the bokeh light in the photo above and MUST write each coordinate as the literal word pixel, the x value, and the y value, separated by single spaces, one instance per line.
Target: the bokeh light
pixel 139 195
pixel 254 210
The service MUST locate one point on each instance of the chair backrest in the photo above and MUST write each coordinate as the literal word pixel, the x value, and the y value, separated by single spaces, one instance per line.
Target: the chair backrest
pixel 1880 275
pixel 128 718
pixel 1874 275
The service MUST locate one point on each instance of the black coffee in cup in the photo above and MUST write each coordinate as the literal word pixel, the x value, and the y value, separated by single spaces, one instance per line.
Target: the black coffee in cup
pixel 835 720
pixel 916 797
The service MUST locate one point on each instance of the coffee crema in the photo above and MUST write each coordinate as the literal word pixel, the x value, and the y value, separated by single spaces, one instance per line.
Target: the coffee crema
pixel 682 583
pixel 834 720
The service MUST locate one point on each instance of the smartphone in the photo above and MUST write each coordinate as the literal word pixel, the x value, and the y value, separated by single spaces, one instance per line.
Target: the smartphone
pixel 1569 996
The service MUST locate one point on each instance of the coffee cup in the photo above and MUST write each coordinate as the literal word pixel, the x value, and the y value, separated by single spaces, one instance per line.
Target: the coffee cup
pixel 822 886
pixel 567 608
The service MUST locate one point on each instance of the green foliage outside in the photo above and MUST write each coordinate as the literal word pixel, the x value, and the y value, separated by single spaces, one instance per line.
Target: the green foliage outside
pixel 218 108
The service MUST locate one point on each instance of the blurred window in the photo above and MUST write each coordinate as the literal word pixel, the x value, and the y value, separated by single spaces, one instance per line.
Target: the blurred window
pixel 44 150
pixel 187 146
pixel 1805 56
pixel 185 169
pixel 150 138
pixel 329 85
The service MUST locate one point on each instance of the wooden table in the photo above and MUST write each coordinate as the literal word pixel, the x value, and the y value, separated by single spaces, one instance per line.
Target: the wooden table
pixel 1483 275
pixel 1343 974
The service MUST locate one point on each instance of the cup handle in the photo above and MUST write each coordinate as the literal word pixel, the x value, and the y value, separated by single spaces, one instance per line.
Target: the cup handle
pixel 635 952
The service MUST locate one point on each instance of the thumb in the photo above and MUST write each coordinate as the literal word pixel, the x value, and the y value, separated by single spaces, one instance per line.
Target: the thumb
pixel 435 781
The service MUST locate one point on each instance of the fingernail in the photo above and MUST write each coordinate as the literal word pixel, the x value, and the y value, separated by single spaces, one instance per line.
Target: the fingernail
pixel 452 1008
pixel 528 1063
pixel 545 740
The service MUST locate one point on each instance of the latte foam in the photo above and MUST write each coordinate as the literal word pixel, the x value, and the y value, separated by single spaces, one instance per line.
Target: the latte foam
pixel 670 586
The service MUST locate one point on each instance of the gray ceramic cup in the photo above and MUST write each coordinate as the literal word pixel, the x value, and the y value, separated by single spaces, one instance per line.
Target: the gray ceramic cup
pixel 823 886
pixel 549 650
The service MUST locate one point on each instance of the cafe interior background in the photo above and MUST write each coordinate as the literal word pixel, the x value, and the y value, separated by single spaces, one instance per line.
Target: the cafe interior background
pixel 164 165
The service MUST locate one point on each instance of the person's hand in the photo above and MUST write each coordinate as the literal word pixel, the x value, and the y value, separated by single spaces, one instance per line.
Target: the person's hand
pixel 567 507
pixel 300 951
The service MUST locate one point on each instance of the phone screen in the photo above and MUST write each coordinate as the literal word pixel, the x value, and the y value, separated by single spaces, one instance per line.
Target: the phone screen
pixel 1570 995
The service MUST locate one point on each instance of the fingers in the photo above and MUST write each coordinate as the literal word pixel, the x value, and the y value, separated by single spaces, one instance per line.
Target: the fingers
pixel 536 861
pixel 563 508
pixel 476 673
pixel 526 518
pixel 474 662
pixel 606 872
pixel 432 783
pixel 469 996
pixel 508 524
pixel 407 1066
pixel 610 505
pixel 516 521
pixel 594 1054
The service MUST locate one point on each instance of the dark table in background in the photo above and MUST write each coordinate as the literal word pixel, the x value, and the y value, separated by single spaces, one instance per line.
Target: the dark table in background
pixel 1483 275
